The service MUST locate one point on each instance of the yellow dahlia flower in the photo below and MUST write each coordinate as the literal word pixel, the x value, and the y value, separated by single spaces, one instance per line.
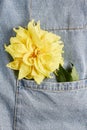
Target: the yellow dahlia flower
pixel 36 53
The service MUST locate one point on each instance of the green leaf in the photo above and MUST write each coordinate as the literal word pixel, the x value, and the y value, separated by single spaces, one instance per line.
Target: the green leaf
pixel 74 74
pixel 63 75
pixel 68 74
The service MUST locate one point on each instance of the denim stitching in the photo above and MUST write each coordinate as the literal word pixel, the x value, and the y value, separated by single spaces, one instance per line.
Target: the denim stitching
pixel 30 9
pixel 16 107
pixel 65 28
pixel 18 111
pixel 53 86
pixel 54 91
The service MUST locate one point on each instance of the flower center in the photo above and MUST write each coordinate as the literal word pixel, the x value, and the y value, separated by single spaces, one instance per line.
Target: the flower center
pixel 35 53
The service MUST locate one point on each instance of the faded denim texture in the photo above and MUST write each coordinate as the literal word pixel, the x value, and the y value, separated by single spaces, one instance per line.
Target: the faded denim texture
pixel 24 105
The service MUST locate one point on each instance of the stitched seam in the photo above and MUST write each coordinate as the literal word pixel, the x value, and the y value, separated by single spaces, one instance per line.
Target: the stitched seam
pixel 48 86
pixel 30 9
pixel 54 91
pixel 15 109
pixel 65 28
pixel 62 89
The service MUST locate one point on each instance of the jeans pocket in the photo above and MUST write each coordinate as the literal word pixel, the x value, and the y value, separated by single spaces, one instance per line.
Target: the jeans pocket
pixel 51 106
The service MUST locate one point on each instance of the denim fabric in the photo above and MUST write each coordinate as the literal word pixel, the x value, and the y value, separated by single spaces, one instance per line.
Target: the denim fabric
pixel 51 106
pixel 12 14
pixel 24 105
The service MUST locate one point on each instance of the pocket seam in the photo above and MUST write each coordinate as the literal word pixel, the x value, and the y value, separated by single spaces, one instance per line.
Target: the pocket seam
pixel 53 86
pixel 84 27
pixel 16 109
pixel 54 91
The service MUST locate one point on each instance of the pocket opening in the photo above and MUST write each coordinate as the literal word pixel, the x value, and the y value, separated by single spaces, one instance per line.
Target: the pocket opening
pixel 53 86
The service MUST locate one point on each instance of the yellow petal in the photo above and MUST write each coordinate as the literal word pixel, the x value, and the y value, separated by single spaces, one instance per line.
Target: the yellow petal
pixel 36 40
pixel 39 31
pixel 46 60
pixel 22 40
pixel 27 60
pixel 16 50
pixel 15 65
pixel 29 77
pixel 41 68
pixel 15 40
pixel 52 37
pixel 10 50
pixel 22 32
pixel 24 71
pixel 38 77
pixel 21 48
pixel 29 45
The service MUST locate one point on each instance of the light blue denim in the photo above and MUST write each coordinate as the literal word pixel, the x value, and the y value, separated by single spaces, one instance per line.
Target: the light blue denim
pixel 24 105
